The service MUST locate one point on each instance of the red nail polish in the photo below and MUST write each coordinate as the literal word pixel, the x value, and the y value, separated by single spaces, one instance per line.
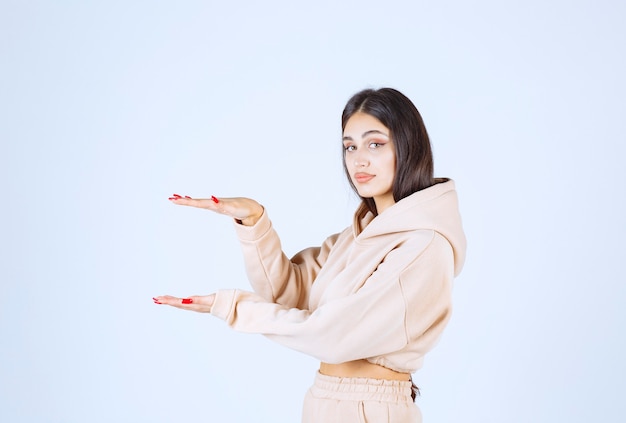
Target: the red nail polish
pixel 215 200
pixel 186 196
pixel 187 301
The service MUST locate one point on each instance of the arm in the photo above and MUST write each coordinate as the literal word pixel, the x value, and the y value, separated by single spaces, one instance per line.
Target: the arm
pixel 400 303
pixel 272 275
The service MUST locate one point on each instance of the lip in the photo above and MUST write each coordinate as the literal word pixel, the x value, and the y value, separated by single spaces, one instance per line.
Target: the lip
pixel 362 177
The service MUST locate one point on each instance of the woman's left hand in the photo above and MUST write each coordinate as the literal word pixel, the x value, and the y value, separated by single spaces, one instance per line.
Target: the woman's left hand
pixel 199 303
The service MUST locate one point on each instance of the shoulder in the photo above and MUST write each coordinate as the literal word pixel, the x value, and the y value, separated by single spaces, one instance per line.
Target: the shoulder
pixel 418 254
pixel 432 257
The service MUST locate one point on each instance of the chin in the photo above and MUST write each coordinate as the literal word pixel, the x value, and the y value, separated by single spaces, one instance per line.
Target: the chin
pixel 366 194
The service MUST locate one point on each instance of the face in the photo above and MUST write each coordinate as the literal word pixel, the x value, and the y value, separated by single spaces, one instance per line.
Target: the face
pixel 370 158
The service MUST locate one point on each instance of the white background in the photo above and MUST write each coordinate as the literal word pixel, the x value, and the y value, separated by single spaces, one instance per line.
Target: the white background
pixel 109 107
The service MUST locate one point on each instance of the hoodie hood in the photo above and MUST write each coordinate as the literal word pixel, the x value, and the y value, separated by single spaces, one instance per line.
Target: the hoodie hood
pixel 434 208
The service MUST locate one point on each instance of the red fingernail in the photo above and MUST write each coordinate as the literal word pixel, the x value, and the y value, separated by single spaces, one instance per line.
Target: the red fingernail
pixel 215 200
pixel 177 195
pixel 186 196
pixel 172 198
pixel 187 301
pixel 156 301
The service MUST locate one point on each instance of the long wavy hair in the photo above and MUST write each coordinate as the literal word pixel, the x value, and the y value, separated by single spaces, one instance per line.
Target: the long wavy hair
pixel 414 158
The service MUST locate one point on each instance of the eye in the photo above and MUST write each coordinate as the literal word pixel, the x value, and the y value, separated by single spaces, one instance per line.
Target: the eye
pixel 349 148
pixel 374 145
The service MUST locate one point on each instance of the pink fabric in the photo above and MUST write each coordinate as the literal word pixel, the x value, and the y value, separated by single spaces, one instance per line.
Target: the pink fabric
pixel 359 400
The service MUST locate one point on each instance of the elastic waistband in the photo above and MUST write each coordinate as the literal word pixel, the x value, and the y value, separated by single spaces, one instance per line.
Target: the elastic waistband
pixel 361 389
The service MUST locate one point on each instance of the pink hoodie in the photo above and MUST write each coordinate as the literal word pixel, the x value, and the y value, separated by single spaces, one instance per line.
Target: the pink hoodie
pixel 380 290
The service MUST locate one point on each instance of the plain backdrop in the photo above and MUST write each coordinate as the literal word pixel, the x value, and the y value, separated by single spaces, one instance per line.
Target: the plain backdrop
pixel 109 107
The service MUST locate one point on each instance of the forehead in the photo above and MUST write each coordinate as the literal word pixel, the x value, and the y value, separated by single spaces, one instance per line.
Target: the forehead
pixel 360 122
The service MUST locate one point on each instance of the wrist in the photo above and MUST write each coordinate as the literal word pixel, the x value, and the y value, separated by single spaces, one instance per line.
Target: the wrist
pixel 252 219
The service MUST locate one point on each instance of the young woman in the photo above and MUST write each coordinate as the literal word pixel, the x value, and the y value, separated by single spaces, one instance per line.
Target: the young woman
pixel 371 300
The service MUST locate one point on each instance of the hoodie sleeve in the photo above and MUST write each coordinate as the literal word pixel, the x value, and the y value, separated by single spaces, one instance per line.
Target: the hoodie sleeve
pixel 273 276
pixel 406 296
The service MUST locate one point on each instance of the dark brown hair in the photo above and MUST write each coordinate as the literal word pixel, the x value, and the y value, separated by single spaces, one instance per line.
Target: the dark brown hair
pixel 414 158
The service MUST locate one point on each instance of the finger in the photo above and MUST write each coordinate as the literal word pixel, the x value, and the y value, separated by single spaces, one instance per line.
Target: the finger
pixel 178 197
pixel 197 303
pixel 224 206
pixel 167 300
pixel 201 203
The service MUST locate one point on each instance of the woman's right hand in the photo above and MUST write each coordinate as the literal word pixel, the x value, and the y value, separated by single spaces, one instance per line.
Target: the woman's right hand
pixel 244 210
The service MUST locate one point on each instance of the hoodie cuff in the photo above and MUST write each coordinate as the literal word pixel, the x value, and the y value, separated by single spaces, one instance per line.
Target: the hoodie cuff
pixel 223 304
pixel 254 232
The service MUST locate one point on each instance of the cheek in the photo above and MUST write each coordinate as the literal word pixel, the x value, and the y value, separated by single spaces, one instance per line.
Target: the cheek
pixel 348 163
pixel 391 165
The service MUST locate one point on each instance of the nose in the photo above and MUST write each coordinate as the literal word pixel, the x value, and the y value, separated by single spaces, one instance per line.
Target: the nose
pixel 360 160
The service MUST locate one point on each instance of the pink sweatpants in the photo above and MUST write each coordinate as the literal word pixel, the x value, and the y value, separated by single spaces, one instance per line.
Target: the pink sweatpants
pixel 356 400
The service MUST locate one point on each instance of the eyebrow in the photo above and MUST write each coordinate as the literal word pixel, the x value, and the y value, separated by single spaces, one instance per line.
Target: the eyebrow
pixel 366 133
